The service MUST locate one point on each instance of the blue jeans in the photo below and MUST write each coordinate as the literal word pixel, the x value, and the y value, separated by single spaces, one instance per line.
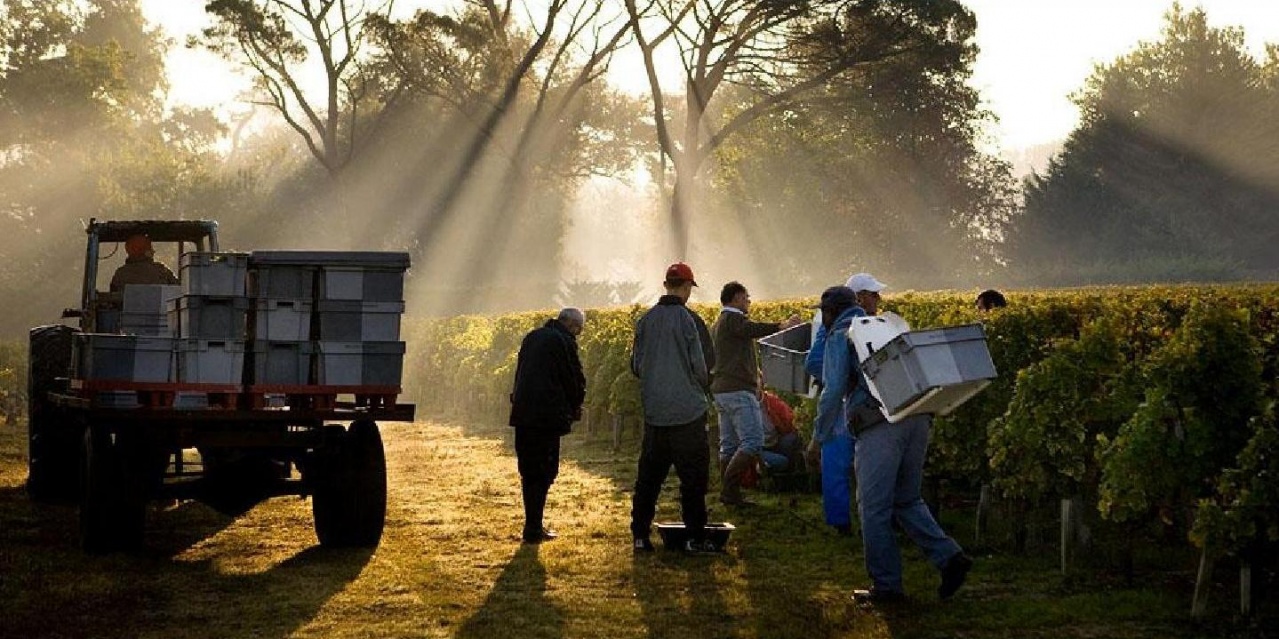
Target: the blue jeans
pixel 837 456
pixel 741 423
pixel 890 474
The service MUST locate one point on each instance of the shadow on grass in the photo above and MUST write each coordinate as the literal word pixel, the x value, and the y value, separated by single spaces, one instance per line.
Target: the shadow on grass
pixel 679 595
pixel 517 605
pixel 49 588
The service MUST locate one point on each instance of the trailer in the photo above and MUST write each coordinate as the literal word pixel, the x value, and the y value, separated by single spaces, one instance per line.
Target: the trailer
pixel 113 442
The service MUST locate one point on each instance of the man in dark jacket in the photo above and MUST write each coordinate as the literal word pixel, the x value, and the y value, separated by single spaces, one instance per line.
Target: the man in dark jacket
pixel 672 356
pixel 737 388
pixel 547 399
pixel 140 266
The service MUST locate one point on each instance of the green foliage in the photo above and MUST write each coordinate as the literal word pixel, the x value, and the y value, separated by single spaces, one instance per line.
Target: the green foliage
pixel 1242 508
pixel 1044 446
pixel 1168 176
pixel 1202 388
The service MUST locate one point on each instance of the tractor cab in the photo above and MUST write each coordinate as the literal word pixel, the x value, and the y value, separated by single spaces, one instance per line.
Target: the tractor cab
pixel 99 306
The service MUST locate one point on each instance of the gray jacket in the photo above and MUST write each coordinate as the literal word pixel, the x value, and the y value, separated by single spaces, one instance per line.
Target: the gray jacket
pixel 670 353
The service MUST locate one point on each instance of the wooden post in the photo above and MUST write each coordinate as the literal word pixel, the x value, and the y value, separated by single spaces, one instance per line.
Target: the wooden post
pixel 983 508
pixel 1200 604
pixel 1067 528
pixel 1245 588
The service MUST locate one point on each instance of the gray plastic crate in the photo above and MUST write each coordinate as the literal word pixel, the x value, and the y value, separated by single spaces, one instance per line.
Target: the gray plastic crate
pixel 361 283
pixel 217 274
pixel 296 274
pixel 930 371
pixel 781 357
pixel 282 281
pixel 205 317
pixel 142 299
pixel 204 361
pixel 356 321
pixel 282 363
pixel 360 363
pixel 282 320
pixel 146 324
pixel 125 358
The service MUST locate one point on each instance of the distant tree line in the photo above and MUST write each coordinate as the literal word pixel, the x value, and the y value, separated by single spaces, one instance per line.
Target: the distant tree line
pixel 808 138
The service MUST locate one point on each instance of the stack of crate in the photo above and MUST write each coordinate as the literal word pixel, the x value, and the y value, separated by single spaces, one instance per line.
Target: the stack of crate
pixel 209 318
pixel 327 318
pixel 282 285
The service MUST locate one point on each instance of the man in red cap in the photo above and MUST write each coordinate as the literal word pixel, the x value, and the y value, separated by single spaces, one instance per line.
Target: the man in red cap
pixel 140 266
pixel 672 356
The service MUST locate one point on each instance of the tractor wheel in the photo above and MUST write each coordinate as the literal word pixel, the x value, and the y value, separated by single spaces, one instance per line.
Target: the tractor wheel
pixel 112 500
pixel 348 484
pixel 53 440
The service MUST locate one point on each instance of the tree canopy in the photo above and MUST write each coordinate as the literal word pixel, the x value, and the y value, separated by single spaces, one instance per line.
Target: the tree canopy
pixel 1172 172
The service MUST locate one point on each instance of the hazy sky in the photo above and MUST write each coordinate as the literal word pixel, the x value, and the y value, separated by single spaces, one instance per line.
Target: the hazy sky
pixel 1034 53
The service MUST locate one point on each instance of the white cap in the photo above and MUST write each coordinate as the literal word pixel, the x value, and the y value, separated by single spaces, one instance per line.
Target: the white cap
pixel 865 282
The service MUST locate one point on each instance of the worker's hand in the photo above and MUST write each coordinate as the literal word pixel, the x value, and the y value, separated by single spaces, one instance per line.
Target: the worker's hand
pixel 813 455
pixel 791 322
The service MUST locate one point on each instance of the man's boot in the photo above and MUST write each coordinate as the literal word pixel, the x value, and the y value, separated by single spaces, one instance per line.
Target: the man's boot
pixel 731 492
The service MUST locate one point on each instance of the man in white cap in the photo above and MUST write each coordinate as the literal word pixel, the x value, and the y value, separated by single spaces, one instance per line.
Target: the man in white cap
pixel 888 460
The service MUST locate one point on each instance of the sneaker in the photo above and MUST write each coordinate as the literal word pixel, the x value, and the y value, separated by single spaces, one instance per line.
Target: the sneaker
pixel 953 574
pixel 875 596
pixel 703 547
pixel 642 544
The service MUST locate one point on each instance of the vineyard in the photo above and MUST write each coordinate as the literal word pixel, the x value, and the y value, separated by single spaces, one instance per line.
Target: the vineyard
pixel 1143 416
pixel 1133 430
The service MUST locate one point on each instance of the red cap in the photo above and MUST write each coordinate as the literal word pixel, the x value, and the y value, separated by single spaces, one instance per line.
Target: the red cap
pixel 137 245
pixel 680 272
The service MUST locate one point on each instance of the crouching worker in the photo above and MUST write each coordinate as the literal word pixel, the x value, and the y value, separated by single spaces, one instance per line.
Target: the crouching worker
pixel 547 399
pixel 783 447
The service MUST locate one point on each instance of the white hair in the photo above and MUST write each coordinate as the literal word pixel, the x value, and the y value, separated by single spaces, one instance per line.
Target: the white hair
pixel 572 314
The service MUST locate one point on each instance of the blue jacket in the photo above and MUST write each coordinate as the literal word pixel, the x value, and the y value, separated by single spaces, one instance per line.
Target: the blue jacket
pixel 843 389
pixel 813 361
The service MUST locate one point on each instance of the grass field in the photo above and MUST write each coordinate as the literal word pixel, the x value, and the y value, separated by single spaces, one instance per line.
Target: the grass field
pixel 450 564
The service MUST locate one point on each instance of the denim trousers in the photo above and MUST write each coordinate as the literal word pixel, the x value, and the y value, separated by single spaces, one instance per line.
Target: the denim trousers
pixel 741 423
pixel 837 457
pixel 890 473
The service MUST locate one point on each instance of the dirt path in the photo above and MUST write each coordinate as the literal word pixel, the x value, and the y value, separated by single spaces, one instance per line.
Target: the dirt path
pixel 450 563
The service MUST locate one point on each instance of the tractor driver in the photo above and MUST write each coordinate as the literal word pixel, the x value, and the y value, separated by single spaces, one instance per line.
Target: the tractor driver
pixel 140 266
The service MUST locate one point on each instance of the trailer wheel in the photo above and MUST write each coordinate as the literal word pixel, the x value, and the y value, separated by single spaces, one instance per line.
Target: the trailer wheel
pixel 112 501
pixel 53 444
pixel 348 484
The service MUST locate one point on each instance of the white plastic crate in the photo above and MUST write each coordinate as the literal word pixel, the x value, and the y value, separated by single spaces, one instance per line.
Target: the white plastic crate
pixel 202 361
pixel 930 371
pixel 218 274
pixel 362 283
pixel 208 317
pixel 781 357
pixel 282 363
pixel 282 320
pixel 360 363
pixel 357 321
pixel 125 358
pixel 148 299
